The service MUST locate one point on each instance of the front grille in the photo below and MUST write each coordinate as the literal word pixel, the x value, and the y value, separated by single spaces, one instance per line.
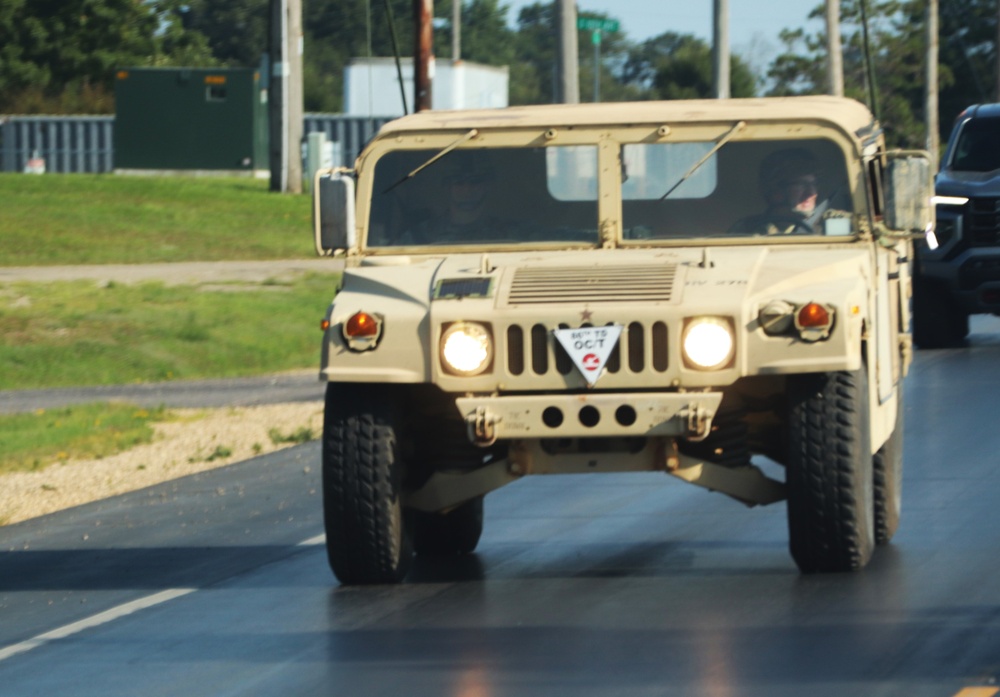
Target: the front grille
pixel 982 222
pixel 534 350
pixel 536 285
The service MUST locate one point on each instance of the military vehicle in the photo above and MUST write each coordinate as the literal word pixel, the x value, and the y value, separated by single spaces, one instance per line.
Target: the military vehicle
pixel 609 288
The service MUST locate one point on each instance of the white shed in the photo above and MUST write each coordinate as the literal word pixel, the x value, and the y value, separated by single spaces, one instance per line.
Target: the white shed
pixel 371 86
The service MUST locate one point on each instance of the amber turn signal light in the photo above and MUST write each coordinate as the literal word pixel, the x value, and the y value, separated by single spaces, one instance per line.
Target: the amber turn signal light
pixel 361 325
pixel 814 315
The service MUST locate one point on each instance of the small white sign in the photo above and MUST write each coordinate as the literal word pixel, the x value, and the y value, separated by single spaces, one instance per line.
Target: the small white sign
pixel 589 347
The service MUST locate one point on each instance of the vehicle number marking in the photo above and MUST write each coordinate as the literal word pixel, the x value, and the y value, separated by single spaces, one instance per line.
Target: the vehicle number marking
pixel 589 348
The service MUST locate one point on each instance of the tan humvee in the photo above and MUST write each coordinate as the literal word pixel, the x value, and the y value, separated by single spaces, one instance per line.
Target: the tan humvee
pixel 688 287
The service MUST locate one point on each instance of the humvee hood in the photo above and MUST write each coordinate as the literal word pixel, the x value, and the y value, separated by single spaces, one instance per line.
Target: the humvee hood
pixel 973 184
pixel 701 276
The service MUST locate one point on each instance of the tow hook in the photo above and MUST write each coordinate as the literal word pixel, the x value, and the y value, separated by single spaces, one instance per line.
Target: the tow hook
pixel 482 427
pixel 699 421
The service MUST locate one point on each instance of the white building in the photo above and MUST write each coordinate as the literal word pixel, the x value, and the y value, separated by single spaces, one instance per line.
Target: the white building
pixel 371 86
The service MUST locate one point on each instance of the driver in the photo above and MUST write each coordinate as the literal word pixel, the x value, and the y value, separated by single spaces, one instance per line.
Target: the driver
pixel 467 178
pixel 788 184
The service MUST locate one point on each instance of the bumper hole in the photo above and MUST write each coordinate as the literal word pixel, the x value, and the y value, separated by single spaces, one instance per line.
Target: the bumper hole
pixel 625 415
pixel 552 417
pixel 589 416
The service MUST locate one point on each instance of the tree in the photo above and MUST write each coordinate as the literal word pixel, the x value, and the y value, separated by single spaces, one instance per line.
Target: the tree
pixel 533 73
pixel 968 56
pixel 237 30
pixel 338 30
pixel 679 66
pixel 896 48
pixel 62 55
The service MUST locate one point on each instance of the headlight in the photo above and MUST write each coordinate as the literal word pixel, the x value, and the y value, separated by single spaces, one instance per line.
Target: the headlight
pixel 466 349
pixel 708 343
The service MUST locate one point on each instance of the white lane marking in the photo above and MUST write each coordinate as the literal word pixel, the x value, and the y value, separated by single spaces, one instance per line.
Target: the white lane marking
pixel 94 621
pixel 114 613
pixel 318 540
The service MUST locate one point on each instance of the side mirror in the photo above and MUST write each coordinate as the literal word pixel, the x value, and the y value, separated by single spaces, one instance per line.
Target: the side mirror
pixel 908 190
pixel 333 212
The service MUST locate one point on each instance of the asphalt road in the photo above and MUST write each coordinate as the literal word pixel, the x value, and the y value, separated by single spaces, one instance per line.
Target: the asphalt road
pixel 582 585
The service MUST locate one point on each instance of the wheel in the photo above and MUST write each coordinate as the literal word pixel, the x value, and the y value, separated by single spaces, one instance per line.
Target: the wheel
pixel 448 534
pixel 829 472
pixel 887 468
pixel 366 538
pixel 936 322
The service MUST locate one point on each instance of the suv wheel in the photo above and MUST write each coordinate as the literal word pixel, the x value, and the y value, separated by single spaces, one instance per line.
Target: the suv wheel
pixel 366 538
pixel 937 323
pixel 829 477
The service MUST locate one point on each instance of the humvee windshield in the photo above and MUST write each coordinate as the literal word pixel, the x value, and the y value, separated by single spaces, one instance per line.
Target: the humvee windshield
pixel 514 196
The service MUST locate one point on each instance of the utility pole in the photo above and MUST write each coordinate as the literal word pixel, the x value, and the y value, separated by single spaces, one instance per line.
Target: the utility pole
pixel 834 56
pixel 423 53
pixel 285 96
pixel 720 49
pixel 456 31
pixel 569 69
pixel 931 104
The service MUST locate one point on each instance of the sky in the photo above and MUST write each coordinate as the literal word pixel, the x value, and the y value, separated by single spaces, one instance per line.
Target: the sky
pixel 753 24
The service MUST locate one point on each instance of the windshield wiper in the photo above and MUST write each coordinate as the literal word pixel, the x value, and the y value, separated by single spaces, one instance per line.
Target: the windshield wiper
pixel 725 138
pixel 447 149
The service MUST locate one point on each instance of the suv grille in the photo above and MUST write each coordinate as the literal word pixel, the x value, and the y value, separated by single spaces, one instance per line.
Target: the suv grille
pixel 534 350
pixel 534 285
pixel 982 223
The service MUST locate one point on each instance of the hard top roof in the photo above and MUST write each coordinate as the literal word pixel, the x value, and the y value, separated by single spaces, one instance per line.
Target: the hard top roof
pixel 847 114
pixel 981 111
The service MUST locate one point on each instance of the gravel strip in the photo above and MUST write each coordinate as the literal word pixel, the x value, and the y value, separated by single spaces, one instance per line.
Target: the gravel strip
pixel 197 440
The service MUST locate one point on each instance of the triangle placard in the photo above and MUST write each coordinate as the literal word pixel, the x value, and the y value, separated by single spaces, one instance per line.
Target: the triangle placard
pixel 589 348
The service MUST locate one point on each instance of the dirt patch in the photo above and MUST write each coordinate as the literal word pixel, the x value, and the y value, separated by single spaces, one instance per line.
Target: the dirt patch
pixel 198 440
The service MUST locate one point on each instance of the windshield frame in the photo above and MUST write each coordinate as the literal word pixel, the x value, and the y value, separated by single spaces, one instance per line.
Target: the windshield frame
pixel 610 140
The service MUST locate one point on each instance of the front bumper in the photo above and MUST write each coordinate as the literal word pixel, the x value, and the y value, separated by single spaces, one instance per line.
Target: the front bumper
pixel 972 279
pixel 589 415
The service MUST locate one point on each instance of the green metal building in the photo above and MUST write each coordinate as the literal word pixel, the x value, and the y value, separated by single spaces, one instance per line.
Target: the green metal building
pixel 211 119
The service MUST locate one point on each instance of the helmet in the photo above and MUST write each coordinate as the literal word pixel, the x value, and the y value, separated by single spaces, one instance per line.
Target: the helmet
pixel 785 165
pixel 473 166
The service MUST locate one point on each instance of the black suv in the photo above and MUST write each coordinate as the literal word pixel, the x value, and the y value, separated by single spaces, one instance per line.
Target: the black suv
pixel 957 270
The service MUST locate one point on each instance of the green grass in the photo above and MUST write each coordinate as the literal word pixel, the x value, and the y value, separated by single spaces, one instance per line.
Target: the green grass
pixel 301 435
pixel 108 219
pixel 77 333
pixel 32 441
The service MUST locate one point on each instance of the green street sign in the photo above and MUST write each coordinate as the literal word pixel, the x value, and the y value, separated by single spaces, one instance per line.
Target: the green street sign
pixel 596 24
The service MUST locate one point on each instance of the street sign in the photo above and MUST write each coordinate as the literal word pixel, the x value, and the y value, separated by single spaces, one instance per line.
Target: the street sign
pixel 597 24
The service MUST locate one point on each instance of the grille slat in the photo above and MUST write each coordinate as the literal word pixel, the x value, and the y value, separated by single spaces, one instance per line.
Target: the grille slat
pixel 645 348
pixel 983 222
pixel 596 284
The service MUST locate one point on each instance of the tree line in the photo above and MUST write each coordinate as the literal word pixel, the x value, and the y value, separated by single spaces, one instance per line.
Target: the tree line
pixel 60 56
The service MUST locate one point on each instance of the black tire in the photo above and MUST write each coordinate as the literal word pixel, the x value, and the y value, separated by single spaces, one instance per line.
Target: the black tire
pixel 366 537
pixel 448 534
pixel 829 472
pixel 937 323
pixel 887 468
